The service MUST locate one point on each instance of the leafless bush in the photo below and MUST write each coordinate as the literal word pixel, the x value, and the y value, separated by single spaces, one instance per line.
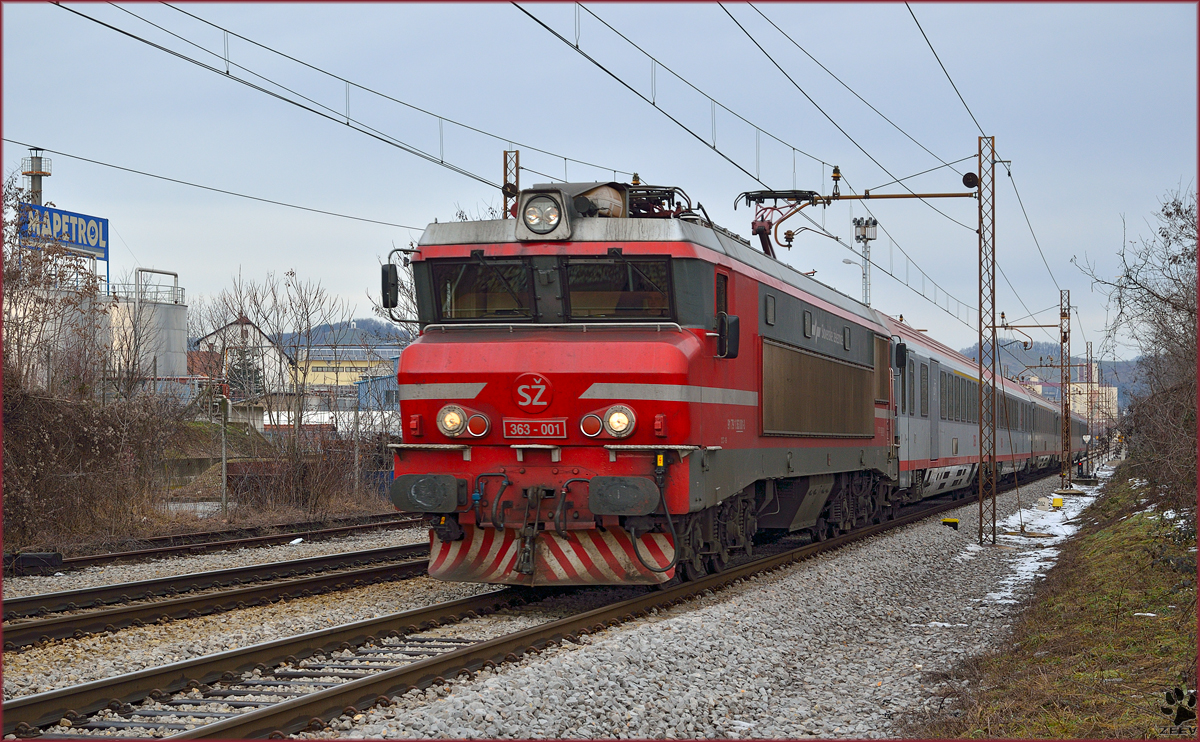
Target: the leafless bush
pixel 1153 301
pixel 77 470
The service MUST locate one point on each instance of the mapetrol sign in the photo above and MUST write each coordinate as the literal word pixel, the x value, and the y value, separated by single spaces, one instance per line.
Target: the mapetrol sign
pixel 80 232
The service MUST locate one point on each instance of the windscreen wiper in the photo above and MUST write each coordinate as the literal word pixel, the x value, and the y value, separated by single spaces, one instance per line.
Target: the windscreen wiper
pixel 615 252
pixel 503 280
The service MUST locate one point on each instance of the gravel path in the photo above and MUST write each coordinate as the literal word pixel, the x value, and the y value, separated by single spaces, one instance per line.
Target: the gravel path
pixel 833 647
pixel 110 574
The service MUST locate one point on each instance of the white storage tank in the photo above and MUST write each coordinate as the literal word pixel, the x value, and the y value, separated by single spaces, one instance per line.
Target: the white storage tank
pixel 149 320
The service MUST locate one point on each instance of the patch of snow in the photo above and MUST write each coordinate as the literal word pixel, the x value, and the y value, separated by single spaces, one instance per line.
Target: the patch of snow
pixel 1028 563
pixel 968 553
pixel 1152 615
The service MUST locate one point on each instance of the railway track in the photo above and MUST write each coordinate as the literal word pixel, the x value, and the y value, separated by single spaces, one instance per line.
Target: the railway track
pixel 160 599
pixel 301 682
pixel 198 543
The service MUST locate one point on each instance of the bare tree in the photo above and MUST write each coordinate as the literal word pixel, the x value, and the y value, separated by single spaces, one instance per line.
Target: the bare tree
pixel 292 321
pixel 1153 302
pixel 53 307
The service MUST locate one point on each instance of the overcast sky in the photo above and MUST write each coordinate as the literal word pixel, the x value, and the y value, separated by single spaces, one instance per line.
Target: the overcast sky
pixel 1093 104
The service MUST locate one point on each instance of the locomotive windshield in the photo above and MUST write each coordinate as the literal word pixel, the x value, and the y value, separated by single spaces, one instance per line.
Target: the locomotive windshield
pixel 482 290
pixel 617 288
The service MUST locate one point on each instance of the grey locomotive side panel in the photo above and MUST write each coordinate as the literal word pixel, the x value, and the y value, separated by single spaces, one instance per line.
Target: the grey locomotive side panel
pixel 807 326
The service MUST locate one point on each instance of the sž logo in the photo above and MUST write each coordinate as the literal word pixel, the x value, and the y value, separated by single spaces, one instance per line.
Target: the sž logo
pixel 532 392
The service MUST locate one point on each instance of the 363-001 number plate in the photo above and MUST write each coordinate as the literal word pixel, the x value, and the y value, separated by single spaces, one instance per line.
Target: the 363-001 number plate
pixel 551 428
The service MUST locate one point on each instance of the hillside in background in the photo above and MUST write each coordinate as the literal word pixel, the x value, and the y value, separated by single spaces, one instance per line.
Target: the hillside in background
pixel 1013 359
pixel 365 332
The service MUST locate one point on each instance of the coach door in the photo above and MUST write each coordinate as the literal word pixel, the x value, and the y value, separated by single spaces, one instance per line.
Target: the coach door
pixel 935 407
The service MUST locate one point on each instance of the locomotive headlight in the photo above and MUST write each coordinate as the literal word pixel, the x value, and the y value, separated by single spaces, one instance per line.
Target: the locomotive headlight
pixel 542 214
pixel 619 421
pixel 451 420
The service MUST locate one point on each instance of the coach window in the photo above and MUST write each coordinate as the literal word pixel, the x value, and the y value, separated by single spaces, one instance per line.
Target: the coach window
pixel 924 390
pixel 903 390
pixel 808 328
pixel 770 310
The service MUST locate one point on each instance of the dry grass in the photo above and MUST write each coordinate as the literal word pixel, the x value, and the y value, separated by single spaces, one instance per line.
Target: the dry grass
pixel 1083 665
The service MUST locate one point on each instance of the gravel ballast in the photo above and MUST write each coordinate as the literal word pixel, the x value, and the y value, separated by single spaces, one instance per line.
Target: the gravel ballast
pixel 836 646
pixel 75 661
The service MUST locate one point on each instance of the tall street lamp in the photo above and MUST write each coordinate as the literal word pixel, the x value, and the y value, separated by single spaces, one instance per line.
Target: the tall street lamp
pixel 866 279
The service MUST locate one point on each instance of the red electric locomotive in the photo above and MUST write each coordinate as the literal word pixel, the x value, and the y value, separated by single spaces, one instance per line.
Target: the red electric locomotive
pixel 611 389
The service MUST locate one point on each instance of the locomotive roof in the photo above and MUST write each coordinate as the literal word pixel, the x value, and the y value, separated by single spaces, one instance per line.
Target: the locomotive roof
pixel 600 229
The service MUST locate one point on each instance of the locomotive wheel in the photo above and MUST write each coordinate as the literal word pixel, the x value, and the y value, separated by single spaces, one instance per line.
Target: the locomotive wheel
pixel 693 569
pixel 717 562
pixel 821 530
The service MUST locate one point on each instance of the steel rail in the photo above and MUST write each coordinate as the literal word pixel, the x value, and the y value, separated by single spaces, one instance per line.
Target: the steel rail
pixel 24 715
pixel 70 600
pixel 311 711
pixel 43 709
pixel 77 625
pixel 205 546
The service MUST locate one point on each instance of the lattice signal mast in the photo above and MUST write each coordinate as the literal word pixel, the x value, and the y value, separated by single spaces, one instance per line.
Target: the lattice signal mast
pixel 987 339
pixel 1091 405
pixel 1064 331
pixel 512 180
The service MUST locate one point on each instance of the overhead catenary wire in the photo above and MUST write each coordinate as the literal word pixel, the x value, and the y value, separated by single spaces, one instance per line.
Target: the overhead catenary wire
pixel 1029 224
pixel 633 90
pixel 1005 165
pixel 212 188
pixel 830 118
pixel 856 95
pixel 386 139
pixel 926 172
pixel 944 70
pixel 728 159
pixel 509 140
pixel 655 63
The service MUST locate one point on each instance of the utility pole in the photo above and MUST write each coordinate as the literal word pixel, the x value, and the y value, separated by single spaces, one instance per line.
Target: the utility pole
pixel 1091 402
pixel 512 181
pixel 986 365
pixel 357 470
pixel 224 457
pixel 1064 331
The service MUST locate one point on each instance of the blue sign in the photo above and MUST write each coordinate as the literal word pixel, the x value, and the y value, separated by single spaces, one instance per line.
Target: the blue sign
pixel 79 232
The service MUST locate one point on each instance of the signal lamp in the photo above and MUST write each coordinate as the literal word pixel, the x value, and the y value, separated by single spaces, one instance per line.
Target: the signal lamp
pixel 619 421
pixel 591 425
pixel 478 425
pixel 542 214
pixel 451 420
